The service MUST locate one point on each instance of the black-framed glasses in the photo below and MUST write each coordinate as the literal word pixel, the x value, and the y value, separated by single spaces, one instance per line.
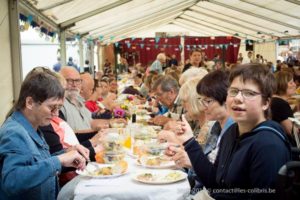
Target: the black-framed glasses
pixel 73 81
pixel 206 101
pixel 246 93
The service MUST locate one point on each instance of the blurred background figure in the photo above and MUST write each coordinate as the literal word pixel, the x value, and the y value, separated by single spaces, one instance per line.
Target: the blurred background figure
pixel 57 66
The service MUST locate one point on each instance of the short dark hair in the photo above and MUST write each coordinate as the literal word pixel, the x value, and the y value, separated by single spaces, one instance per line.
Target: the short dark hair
pixel 40 84
pixel 215 85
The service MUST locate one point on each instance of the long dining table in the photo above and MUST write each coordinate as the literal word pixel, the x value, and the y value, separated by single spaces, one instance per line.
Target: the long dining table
pixel 123 187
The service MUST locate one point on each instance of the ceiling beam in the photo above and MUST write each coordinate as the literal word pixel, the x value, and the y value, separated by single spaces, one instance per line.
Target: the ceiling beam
pixel 190 28
pixel 158 14
pixel 55 5
pixel 32 10
pixel 188 18
pixel 209 29
pixel 236 31
pixel 224 29
pixel 264 7
pixel 155 20
pixel 201 26
pixel 146 27
pixel 254 14
pixel 239 19
pixel 92 13
pixel 135 27
pixel 116 23
pixel 293 1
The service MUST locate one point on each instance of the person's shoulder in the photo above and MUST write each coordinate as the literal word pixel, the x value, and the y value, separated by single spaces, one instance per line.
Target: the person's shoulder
pixel 278 100
pixel 11 129
pixel 269 132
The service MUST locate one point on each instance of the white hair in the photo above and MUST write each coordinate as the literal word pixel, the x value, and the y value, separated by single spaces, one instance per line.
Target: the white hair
pixel 161 56
pixel 192 73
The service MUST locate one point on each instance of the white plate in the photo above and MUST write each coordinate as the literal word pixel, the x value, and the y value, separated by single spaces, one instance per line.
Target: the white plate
pixel 162 165
pixel 86 172
pixel 161 176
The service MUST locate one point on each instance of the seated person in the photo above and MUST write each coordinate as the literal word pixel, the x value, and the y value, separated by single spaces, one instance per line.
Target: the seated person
pixel 166 89
pixel 252 150
pixel 280 108
pixel 74 111
pixel 28 170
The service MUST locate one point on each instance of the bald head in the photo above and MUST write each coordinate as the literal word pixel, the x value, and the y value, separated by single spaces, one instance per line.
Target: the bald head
pixel 68 71
pixel 87 85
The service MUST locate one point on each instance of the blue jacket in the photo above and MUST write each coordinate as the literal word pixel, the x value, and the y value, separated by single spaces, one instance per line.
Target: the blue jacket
pixel 28 171
pixel 246 165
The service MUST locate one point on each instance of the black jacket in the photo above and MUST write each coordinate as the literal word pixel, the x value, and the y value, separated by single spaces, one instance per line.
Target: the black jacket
pixel 246 166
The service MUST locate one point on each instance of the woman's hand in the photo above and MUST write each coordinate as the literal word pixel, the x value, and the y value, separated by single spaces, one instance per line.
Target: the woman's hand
pixel 185 133
pixel 168 136
pixel 82 150
pixel 72 159
pixel 179 156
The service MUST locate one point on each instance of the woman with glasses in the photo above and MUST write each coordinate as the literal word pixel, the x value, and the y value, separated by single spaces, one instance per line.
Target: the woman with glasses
pixel 28 171
pixel 280 108
pixel 252 150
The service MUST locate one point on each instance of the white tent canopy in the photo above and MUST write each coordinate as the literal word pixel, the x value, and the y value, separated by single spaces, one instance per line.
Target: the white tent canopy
pixel 251 19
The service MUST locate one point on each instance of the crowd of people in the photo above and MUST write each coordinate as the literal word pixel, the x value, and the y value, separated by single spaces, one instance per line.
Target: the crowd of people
pixel 227 126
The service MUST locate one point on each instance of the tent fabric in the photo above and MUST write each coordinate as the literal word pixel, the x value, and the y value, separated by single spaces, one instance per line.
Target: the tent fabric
pixel 146 50
pixel 246 19
pixel 214 45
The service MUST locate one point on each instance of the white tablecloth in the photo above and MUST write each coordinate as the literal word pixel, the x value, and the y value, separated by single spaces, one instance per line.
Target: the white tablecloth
pixel 122 188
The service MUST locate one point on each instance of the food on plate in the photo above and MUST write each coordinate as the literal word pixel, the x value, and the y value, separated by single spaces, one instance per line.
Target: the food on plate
pixel 102 170
pixel 99 157
pixel 155 161
pixel 161 177
pixel 172 176
pixel 145 177
pixel 121 166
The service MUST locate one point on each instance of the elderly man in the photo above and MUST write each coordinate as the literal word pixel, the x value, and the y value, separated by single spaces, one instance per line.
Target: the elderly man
pixel 74 110
pixel 28 171
pixel 157 65
pixel 166 89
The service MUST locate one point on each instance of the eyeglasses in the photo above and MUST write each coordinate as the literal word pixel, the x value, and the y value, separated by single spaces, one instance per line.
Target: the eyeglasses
pixel 158 94
pixel 73 81
pixel 206 101
pixel 247 94
pixel 52 108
